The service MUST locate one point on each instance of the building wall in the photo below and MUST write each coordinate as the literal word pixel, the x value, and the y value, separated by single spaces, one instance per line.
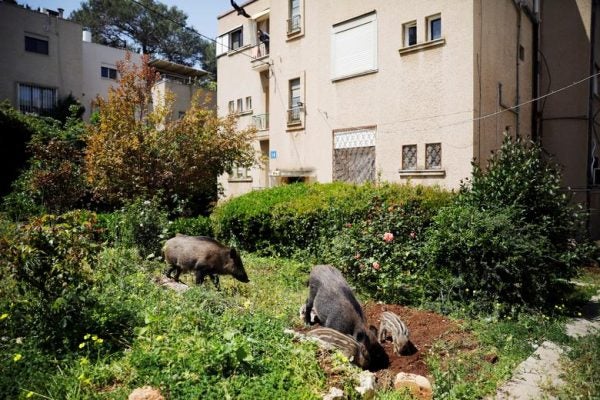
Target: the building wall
pixel 565 128
pixel 96 56
pixel 503 70
pixel 417 97
pixel 60 69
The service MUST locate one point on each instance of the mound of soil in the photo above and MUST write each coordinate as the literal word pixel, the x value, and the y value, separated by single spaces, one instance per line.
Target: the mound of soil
pixel 425 329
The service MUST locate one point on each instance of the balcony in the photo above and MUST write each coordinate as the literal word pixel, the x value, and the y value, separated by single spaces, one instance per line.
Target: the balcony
pixel 294 116
pixel 261 123
pixel 294 25
pixel 260 54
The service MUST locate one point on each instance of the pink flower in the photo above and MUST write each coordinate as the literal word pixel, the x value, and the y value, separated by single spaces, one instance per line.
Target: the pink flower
pixel 348 225
pixel 376 266
pixel 357 256
pixel 413 235
pixel 388 237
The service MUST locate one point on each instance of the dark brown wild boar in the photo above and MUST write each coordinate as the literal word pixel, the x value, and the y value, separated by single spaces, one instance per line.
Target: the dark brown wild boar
pixel 337 307
pixel 203 256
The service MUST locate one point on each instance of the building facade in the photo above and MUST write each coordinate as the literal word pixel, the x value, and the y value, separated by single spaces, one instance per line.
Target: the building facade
pixel 46 58
pixel 406 91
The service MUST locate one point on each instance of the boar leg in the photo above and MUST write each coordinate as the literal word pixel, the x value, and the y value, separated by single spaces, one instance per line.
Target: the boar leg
pixel 215 280
pixel 312 293
pixel 200 275
pixel 177 272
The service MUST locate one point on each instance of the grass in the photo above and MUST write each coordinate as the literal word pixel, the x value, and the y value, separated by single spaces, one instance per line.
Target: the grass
pixel 230 344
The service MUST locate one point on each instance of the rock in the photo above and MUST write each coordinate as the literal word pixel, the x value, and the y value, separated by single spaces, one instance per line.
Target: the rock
pixel 145 393
pixel 334 393
pixel 366 384
pixel 417 385
pixel 171 284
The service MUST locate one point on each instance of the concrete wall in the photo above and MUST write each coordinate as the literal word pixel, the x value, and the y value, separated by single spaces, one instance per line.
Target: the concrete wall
pixel 96 56
pixel 60 69
pixel 421 96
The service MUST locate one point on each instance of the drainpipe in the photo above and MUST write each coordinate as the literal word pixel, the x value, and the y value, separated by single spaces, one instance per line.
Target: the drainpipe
pixel 590 178
pixel 535 70
pixel 517 4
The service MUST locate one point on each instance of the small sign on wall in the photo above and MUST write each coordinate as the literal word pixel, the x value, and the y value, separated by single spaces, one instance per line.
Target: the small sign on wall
pixel 273 154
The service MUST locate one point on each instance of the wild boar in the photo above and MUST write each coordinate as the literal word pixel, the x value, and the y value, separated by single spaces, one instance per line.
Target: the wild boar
pixel 392 325
pixel 204 256
pixel 337 307
pixel 356 352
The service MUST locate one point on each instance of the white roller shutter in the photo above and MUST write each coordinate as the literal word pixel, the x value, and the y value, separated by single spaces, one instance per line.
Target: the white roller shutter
pixel 222 45
pixel 354 47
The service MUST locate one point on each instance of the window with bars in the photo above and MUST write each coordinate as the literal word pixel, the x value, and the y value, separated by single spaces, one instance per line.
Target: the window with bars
pixel 433 156
pixel 294 101
pixel 409 157
pixel 36 99
pixel 294 17
pixel 35 45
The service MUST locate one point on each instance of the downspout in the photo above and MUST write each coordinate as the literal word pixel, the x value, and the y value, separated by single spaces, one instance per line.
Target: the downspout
pixel 518 51
pixel 535 70
pixel 590 160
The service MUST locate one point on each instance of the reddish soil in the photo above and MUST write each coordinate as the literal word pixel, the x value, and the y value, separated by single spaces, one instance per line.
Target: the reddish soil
pixel 425 328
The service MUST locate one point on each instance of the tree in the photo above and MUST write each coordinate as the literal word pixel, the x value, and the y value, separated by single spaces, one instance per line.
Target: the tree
pixel 157 29
pixel 135 151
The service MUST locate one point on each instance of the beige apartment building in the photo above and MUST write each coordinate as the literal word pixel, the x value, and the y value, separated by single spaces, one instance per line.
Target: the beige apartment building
pixel 409 90
pixel 46 58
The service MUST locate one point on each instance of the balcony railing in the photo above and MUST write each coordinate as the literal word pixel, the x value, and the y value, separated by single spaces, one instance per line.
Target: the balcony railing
pixel 294 115
pixel 260 50
pixel 293 24
pixel 261 122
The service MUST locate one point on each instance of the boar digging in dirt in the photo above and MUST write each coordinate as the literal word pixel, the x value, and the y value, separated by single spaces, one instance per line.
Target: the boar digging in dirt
pixel 203 256
pixel 337 307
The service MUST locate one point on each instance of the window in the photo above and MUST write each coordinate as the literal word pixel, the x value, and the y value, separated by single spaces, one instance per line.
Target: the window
pixel 240 173
pixel 354 47
pixel 231 107
pixel 354 155
pixel 36 99
pixel 409 157
pixel 435 27
pixel 249 103
pixel 240 106
pixel 107 72
pixel 295 103
pixel 295 17
pixel 410 33
pixel 236 39
pixel 36 45
pixel 433 156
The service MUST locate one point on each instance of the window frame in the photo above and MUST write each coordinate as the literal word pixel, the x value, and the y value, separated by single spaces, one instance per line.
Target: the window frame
pixel 32 45
pixel 295 103
pixel 429 166
pixel 430 31
pixel 239 106
pixel 405 166
pixel 45 93
pixel 406 33
pixel 239 30
pixel 248 103
pixel 111 73
pixel 231 106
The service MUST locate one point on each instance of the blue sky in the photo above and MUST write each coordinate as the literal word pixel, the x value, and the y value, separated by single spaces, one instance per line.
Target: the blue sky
pixel 202 14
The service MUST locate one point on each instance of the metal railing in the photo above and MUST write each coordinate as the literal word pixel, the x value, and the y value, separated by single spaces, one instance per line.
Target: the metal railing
pixel 293 24
pixel 261 121
pixel 294 115
pixel 260 50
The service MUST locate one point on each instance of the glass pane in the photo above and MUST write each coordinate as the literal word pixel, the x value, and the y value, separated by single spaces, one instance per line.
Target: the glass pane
pixel 433 153
pixel 104 72
pixel 409 157
pixel 436 28
pixel 412 35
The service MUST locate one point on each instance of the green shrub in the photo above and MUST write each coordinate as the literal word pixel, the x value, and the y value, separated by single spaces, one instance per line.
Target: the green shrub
pixel 300 217
pixel 48 265
pixel 510 236
pixel 198 226
pixel 141 224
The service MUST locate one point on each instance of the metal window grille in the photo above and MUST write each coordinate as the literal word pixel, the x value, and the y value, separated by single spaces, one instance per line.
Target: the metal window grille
pixel 433 156
pixel 35 99
pixel 409 157
pixel 354 156
pixel 294 115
